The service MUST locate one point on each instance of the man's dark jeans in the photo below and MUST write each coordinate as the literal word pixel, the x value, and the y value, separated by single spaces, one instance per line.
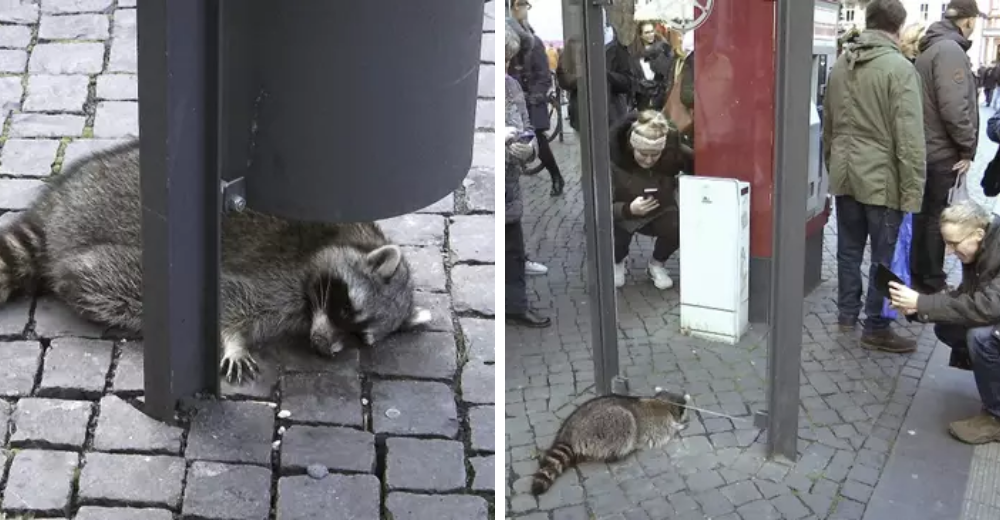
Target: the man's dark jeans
pixel 514 276
pixel 927 247
pixel 983 348
pixel 856 223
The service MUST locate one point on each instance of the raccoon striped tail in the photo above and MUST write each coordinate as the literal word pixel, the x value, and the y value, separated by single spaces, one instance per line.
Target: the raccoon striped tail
pixel 21 244
pixel 558 459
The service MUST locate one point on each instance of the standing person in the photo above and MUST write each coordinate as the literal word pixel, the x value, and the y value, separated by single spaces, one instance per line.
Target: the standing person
pixel 909 42
pixel 873 142
pixel 951 127
pixel 518 154
pixel 656 60
pixel 988 77
pixel 531 69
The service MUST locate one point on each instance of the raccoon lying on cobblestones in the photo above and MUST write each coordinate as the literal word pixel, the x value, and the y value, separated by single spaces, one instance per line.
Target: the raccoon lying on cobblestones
pixel 82 240
pixel 611 428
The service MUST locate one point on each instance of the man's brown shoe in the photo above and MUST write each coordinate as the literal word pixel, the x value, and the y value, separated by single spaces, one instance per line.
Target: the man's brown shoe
pixel 980 429
pixel 887 341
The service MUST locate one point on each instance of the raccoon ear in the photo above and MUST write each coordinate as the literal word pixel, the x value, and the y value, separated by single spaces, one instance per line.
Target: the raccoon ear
pixel 419 317
pixel 385 260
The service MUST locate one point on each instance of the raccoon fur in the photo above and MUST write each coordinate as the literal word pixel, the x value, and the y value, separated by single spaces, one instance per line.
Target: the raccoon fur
pixel 331 283
pixel 611 428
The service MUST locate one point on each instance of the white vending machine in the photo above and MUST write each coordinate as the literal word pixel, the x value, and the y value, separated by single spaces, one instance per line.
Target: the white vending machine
pixel 714 257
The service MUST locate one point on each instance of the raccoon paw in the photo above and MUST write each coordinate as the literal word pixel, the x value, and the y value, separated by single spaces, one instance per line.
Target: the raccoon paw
pixel 238 366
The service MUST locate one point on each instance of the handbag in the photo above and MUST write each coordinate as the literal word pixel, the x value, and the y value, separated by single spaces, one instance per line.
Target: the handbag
pixel 959 192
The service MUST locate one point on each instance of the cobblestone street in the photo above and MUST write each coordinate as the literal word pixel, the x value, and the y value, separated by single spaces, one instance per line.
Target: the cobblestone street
pixel 853 401
pixel 402 431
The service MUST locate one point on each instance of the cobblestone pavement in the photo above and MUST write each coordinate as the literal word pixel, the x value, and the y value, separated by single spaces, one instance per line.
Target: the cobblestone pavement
pixel 853 401
pixel 406 430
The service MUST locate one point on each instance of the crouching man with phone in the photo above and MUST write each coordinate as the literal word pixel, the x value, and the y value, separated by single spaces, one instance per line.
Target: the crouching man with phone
pixel 645 160
pixel 967 318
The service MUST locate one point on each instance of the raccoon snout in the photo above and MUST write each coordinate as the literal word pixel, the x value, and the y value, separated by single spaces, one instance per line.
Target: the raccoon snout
pixel 323 338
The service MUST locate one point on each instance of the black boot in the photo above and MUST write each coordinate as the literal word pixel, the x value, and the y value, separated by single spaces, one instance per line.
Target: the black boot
pixel 557 184
pixel 529 319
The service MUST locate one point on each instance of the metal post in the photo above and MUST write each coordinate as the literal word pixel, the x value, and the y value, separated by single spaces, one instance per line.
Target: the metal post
pixel 180 200
pixel 792 77
pixel 596 178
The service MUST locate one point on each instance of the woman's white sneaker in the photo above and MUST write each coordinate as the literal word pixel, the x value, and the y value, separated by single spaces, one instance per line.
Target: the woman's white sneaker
pixel 534 268
pixel 660 275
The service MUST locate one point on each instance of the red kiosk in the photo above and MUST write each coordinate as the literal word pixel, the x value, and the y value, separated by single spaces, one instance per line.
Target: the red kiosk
pixel 734 114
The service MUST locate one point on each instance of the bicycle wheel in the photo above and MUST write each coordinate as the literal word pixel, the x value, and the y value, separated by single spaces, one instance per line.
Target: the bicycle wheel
pixel 555 121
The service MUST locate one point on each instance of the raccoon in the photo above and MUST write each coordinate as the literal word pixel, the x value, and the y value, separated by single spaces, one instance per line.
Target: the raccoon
pixel 332 283
pixel 611 428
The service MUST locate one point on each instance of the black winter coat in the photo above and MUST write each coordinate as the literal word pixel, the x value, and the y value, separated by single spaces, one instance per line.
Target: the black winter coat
pixel 531 69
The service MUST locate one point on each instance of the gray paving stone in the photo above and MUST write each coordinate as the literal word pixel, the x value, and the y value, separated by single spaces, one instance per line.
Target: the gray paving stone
pixel 135 480
pixel 28 157
pixel 231 431
pixel 80 148
pixel 124 55
pixel 75 368
pixel 46 125
pixel 427 268
pixel 16 314
pixel 338 449
pixel 19 361
pixel 325 398
pixel 480 187
pixel 50 423
pixel 19 194
pixel 129 372
pixel 424 408
pixel 122 513
pixel 40 482
pixel 487 81
pixel 440 306
pixel 62 93
pixel 67 58
pixel 415 230
pixel 427 355
pixel 482 421
pixel 484 473
pixel 54 319
pixel 472 288
pixel 479 339
pixel 122 427
pixel 408 506
pixel 11 92
pixel 354 497
pixel 478 383
pixel 468 242
pixel 427 465
pixel 117 119
pixel 444 206
pixel 118 87
pixel 13 61
pixel 740 493
pixel 486 114
pixel 217 491
pixel 74 27
pixel 76 6
pixel 5 411
pixel 23 13
pixel 484 151
pixel 790 507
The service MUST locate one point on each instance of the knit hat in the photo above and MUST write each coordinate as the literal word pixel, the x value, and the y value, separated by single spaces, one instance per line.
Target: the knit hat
pixel 642 143
pixel 958 9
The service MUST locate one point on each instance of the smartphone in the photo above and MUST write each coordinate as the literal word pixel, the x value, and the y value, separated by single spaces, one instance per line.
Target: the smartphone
pixel 883 275
pixel 650 193
pixel 526 137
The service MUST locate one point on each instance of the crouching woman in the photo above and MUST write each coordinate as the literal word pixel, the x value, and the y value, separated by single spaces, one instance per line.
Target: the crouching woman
pixel 646 157
pixel 967 318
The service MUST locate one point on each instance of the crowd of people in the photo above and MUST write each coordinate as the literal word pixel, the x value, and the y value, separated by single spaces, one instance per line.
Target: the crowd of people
pixel 650 80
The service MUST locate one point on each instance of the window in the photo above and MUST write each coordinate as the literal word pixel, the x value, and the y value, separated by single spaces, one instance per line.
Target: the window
pixel 944 7
pixel 924 10
pixel 849 15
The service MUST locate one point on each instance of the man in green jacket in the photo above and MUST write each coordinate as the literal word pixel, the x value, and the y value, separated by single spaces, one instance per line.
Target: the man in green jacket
pixel 873 143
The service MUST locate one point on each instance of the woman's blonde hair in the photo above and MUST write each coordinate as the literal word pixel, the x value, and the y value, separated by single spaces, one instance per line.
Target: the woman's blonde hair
pixel 909 41
pixel 967 214
pixel 651 124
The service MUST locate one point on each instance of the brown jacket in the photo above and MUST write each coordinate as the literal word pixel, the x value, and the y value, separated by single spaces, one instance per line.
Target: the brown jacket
pixel 951 112
pixel 976 301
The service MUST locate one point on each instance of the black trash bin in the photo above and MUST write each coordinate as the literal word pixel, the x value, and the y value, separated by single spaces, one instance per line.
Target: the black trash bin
pixel 348 111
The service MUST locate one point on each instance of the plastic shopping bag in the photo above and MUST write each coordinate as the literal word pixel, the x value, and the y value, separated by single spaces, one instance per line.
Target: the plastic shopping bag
pixel 900 261
pixel 959 192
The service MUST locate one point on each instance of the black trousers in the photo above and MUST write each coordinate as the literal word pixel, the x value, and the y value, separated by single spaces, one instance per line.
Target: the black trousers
pixel 927 248
pixel 545 155
pixel 516 297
